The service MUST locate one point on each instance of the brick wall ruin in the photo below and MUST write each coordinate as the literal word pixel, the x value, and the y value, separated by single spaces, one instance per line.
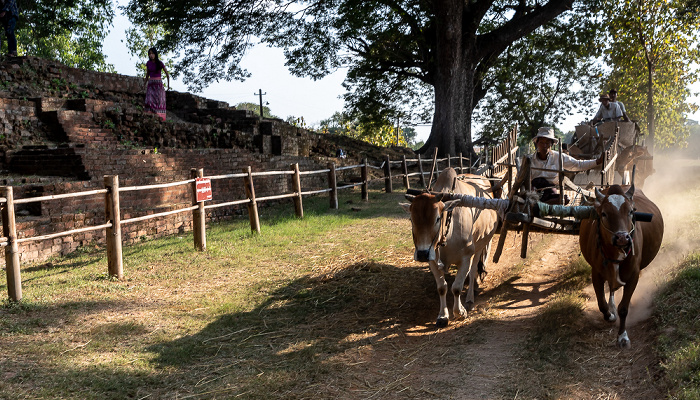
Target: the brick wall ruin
pixel 63 129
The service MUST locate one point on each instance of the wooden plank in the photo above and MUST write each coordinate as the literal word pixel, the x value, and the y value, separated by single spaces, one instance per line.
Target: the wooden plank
pixel 9 227
pixel 333 185
pixel 60 196
pixel 165 213
pixel 113 232
pixel 66 233
pixel 157 186
pixel 296 187
pixel 199 215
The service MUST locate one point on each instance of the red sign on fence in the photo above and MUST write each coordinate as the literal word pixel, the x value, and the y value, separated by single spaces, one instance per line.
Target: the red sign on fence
pixel 203 189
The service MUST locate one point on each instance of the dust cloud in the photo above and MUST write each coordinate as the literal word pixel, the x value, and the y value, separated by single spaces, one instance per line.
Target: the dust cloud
pixel 675 189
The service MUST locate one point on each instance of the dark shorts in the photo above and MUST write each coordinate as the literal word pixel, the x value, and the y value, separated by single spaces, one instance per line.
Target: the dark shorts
pixel 546 188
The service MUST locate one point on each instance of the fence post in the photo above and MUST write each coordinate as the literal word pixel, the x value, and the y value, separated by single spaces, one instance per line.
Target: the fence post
pixel 432 169
pixel 420 170
pixel 387 175
pixel 461 163
pixel 449 161
pixel 252 205
pixel 333 186
pixel 364 175
pixel 115 265
pixel 296 186
pixel 199 216
pixel 405 172
pixel 9 228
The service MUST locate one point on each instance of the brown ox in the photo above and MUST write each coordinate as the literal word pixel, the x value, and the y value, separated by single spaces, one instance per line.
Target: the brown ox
pixel 618 247
pixel 447 234
pixel 629 157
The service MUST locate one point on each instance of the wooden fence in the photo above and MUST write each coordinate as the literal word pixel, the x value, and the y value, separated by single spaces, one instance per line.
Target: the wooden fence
pixel 113 222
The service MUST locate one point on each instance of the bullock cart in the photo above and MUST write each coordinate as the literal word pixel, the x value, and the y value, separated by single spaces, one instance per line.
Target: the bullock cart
pixel 589 140
pixel 522 212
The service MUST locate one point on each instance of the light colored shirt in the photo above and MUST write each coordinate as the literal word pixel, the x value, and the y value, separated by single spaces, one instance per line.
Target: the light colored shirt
pixel 552 162
pixel 611 112
pixel 622 106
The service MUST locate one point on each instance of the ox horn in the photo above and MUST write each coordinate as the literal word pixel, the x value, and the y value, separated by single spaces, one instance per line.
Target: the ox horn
pixel 439 197
pixel 410 197
pixel 630 191
pixel 599 195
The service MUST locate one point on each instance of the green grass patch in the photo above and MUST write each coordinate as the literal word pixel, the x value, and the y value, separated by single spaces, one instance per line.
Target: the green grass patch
pixel 266 315
pixel 676 316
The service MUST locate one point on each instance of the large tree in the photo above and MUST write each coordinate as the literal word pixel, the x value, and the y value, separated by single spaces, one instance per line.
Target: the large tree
pixel 70 31
pixel 543 78
pixel 446 45
pixel 653 51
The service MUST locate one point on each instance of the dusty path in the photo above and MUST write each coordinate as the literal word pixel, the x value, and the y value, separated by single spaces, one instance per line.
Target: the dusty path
pixel 483 356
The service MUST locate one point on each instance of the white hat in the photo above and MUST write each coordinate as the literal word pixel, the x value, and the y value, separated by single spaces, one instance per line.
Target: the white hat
pixel 545 132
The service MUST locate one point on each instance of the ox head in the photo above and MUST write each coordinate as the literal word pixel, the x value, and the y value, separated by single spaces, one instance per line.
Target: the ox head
pixel 427 222
pixel 616 220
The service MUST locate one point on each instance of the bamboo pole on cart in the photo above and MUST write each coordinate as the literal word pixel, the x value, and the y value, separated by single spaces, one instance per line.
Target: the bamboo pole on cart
pixel 561 173
pixel 387 175
pixel 421 177
pixel 521 179
pixel 526 226
pixel 432 169
pixel 510 164
pixel 9 227
pixel 364 175
pixel 199 216
pixel 115 265
pixel 296 186
pixel 333 184
pixel 252 204
pixel 404 166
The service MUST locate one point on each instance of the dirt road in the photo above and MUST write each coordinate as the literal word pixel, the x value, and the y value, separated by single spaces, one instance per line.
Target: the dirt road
pixel 501 350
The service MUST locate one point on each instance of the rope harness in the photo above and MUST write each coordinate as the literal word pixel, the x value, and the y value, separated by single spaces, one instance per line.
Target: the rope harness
pixel 443 234
pixel 626 250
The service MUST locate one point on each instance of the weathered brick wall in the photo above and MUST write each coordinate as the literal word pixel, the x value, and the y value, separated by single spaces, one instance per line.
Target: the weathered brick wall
pixel 18 123
pixel 140 168
pixel 100 117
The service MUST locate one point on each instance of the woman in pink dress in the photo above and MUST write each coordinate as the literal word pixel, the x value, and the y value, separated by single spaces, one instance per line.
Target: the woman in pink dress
pixel 155 94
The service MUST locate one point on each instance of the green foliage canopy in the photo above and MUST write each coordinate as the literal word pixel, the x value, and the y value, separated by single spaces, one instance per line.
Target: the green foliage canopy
pixel 543 78
pixel 69 31
pixel 394 51
pixel 652 50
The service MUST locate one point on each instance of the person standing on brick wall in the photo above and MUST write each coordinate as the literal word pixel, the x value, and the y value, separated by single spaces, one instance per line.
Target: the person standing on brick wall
pixel 9 13
pixel 155 94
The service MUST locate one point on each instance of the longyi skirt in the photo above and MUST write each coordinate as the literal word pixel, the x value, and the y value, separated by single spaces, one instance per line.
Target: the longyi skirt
pixel 155 97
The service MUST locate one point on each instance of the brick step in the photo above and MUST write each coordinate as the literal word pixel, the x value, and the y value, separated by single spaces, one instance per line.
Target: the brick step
pixel 39 160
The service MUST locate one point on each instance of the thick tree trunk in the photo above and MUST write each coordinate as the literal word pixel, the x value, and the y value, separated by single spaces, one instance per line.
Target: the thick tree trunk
pixel 451 130
pixel 651 123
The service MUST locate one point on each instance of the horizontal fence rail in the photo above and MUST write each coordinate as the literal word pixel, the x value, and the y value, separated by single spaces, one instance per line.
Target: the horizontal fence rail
pixel 113 222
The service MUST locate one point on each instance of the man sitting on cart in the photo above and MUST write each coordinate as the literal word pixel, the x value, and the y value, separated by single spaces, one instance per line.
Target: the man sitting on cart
pixel 613 99
pixel 608 110
pixel 546 158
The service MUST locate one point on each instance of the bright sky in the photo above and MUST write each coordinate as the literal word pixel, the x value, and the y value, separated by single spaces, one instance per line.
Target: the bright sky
pixel 285 94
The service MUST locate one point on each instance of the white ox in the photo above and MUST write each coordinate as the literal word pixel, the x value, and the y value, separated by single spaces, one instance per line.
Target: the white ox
pixel 462 238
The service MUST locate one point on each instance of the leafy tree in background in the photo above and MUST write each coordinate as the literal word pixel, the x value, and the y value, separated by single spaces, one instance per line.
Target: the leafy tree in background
pixel 141 38
pixel 652 51
pixel 385 135
pixel 543 78
pixel 443 47
pixel 256 109
pixel 69 31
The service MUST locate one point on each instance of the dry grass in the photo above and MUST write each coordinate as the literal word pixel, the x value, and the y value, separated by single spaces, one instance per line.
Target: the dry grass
pixel 331 306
